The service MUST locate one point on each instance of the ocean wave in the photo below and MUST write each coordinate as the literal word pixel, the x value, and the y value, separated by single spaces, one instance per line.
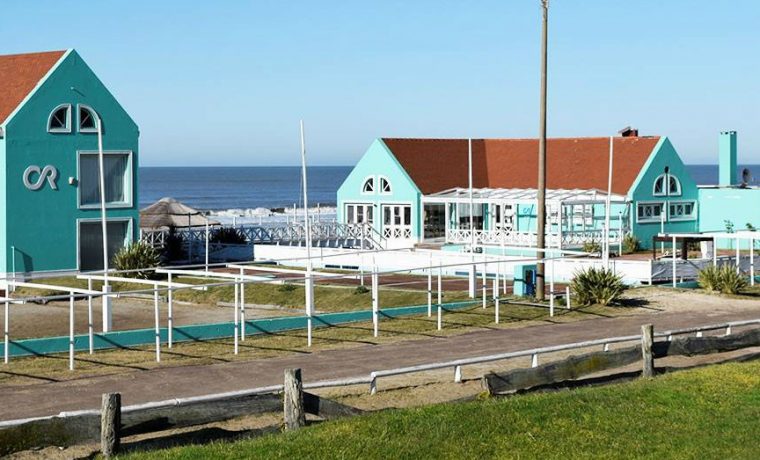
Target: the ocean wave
pixel 272 212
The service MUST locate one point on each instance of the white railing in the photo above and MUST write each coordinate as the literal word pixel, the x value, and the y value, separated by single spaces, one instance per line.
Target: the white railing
pixel 529 238
pixel 323 234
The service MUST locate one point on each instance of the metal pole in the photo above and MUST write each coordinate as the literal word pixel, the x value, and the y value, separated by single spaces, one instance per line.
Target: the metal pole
pixel 541 197
pixel 71 331
pixel 242 306
pixel 170 313
pixel 375 301
pixel 157 323
pixel 752 261
pixel 440 290
pixel 206 243
pixel 673 254
pixel 6 330
pixel 236 313
pixel 430 289
pixel 89 316
pixel 607 210
pixel 309 280
pixel 103 224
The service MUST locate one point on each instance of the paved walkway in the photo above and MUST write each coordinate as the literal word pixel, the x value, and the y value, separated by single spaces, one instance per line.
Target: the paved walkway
pixel 174 382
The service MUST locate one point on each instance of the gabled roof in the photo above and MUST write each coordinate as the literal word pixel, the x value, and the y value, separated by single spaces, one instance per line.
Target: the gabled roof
pixel 20 74
pixel 572 163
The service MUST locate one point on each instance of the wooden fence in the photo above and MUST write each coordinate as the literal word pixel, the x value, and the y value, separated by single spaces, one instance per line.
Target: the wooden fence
pixel 113 422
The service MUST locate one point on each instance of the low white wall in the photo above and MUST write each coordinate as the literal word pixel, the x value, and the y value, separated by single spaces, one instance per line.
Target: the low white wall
pixel 632 271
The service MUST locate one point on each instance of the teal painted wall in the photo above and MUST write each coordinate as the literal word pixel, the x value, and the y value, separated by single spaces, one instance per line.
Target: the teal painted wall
pixel 642 190
pixel 727 153
pixel 736 205
pixel 3 205
pixel 379 161
pixel 42 224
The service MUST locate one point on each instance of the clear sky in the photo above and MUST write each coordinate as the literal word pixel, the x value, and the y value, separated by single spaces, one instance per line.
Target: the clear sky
pixel 225 83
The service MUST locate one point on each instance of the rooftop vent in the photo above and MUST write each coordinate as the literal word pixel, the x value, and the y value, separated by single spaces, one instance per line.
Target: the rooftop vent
pixel 629 132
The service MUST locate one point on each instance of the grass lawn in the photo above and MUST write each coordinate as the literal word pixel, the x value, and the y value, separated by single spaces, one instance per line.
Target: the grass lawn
pixel 711 412
pixel 327 298
pixel 55 367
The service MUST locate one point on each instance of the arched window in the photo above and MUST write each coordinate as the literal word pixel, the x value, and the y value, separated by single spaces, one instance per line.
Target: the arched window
pixel 369 185
pixel 385 185
pixel 673 185
pixel 59 120
pixel 87 119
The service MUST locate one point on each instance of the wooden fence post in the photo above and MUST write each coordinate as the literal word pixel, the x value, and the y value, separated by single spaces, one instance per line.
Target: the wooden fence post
pixel 295 417
pixel 110 424
pixel 647 336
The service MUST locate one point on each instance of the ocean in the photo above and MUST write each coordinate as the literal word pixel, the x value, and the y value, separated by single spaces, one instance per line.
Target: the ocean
pixel 249 194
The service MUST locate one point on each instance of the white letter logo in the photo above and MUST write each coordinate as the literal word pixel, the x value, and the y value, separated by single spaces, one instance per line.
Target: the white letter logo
pixel 48 172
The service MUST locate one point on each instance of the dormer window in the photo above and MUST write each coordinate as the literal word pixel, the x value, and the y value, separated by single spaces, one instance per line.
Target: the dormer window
pixel 87 120
pixel 673 185
pixel 369 185
pixel 385 185
pixel 59 120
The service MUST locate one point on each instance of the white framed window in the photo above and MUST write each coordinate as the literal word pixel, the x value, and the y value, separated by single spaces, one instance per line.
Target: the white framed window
pixel 87 119
pixel 385 186
pixel 673 185
pixel 397 221
pixel 59 120
pixel 117 166
pixel 649 211
pixel 502 216
pixel 90 241
pixel 682 210
pixel 360 213
pixel 369 185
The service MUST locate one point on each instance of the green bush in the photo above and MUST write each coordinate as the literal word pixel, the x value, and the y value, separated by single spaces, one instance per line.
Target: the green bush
pixel 361 290
pixel 596 286
pixel 630 243
pixel 592 246
pixel 287 287
pixel 722 279
pixel 227 235
pixel 136 256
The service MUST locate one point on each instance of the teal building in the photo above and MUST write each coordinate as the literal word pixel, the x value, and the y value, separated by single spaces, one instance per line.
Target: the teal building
pixel 412 191
pixel 50 104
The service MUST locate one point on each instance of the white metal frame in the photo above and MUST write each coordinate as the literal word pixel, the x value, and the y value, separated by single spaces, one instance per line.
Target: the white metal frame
pixel 94 116
pixel 67 129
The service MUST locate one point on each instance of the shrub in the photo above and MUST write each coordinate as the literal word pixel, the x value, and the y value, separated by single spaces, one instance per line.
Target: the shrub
pixel 596 286
pixel 721 279
pixel 135 256
pixel 592 246
pixel 287 287
pixel 361 290
pixel 227 235
pixel 630 243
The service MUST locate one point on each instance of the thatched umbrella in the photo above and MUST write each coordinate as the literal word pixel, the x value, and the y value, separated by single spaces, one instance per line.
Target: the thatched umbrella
pixel 168 212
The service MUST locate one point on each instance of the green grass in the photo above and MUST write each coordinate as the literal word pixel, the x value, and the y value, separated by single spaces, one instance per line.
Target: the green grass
pixel 711 412
pixel 327 298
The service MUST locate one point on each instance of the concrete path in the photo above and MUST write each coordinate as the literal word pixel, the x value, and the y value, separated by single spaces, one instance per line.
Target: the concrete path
pixel 173 382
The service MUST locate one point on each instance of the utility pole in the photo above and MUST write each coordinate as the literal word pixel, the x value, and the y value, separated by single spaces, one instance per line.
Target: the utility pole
pixel 541 214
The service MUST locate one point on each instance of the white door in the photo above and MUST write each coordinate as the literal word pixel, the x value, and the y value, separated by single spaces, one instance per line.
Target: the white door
pixel 397 221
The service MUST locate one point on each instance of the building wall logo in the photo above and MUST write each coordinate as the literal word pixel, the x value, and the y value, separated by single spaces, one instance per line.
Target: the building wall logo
pixel 48 173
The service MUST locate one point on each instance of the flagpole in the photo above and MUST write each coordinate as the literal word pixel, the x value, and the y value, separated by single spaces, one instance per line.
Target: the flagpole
pixel 309 281
pixel 104 225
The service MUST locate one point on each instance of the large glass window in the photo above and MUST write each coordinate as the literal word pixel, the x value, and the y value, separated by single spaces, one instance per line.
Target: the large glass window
pixel 681 210
pixel 359 213
pixel 649 212
pixel 91 242
pixel 397 221
pixel 118 179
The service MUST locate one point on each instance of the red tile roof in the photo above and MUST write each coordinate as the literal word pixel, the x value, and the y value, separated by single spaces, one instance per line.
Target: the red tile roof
pixel 439 164
pixel 19 74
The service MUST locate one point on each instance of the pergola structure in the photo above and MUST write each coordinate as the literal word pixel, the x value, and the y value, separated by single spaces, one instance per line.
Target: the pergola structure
pixel 573 216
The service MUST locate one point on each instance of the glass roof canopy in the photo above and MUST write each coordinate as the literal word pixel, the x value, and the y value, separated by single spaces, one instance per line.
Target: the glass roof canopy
pixel 523 195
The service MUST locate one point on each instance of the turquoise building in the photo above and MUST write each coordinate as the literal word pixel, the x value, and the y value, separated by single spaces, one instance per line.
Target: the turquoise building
pixel 50 104
pixel 412 191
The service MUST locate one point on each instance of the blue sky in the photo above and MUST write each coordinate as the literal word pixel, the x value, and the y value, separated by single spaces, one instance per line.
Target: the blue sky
pixel 225 83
